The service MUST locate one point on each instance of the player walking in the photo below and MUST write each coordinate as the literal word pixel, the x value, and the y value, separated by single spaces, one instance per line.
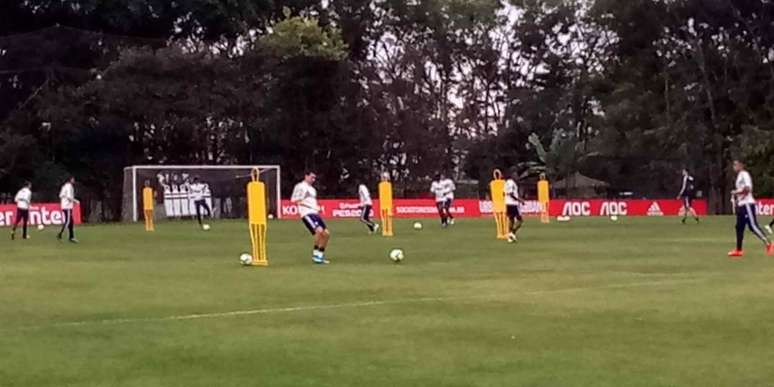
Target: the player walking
pixel 305 197
pixel 22 199
pixel 366 207
pixel 686 195
pixel 438 189
pixel 449 187
pixel 67 201
pixel 743 198
pixel 512 202
pixel 196 193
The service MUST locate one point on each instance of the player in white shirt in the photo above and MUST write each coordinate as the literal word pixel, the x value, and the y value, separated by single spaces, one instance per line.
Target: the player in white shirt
pixel 512 202
pixel 746 216
pixel 22 199
pixel 305 198
pixel 439 191
pixel 366 207
pixel 67 201
pixel 449 187
pixel 196 192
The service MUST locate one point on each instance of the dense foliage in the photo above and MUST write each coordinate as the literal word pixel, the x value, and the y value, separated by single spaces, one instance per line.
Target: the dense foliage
pixel 625 91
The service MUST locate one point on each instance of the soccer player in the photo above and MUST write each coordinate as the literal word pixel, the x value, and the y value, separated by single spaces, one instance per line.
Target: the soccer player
pixel 686 195
pixel 512 202
pixel 449 187
pixel 22 199
pixel 305 197
pixel 67 201
pixel 742 196
pixel 366 206
pixel 438 189
pixel 196 193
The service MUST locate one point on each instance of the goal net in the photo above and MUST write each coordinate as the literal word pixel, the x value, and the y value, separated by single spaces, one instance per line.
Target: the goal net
pixel 225 190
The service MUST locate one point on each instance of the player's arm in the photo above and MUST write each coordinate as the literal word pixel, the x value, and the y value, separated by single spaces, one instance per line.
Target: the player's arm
pixel 682 189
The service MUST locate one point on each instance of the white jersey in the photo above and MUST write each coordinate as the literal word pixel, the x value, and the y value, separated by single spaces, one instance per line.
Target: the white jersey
pixel 438 190
pixel 511 193
pixel 67 196
pixel 196 191
pixel 448 188
pixel 365 195
pixel 23 199
pixel 743 180
pixel 305 197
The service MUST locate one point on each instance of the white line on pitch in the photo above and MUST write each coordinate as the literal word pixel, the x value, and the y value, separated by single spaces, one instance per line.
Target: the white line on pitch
pixel 305 308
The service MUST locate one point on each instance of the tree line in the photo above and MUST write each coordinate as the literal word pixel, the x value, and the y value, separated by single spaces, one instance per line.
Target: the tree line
pixel 627 92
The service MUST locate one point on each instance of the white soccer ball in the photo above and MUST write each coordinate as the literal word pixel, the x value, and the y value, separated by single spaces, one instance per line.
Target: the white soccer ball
pixel 271 216
pixel 614 218
pixel 417 226
pixel 206 227
pixel 396 255
pixel 562 218
pixel 41 227
pixel 246 259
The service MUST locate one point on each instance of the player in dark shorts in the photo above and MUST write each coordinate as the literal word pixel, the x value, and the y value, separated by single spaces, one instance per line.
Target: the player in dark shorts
pixel 686 194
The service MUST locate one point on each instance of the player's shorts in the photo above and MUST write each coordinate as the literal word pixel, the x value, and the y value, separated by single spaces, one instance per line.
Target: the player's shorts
pixel 688 201
pixel 514 212
pixel 440 204
pixel 448 203
pixel 22 214
pixel 313 222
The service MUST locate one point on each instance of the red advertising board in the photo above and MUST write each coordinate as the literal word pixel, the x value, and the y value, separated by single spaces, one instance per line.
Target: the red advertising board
pixel 47 214
pixel 425 208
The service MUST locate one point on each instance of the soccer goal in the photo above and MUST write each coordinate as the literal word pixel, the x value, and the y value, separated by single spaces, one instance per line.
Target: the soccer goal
pixel 225 190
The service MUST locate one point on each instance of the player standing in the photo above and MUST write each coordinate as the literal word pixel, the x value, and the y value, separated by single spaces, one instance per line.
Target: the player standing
pixel 439 191
pixel 686 195
pixel 512 202
pixel 743 198
pixel 196 193
pixel 305 198
pixel 449 187
pixel 67 201
pixel 366 207
pixel 23 199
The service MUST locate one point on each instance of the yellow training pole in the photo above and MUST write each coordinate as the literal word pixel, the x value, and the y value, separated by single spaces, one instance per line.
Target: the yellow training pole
pixel 544 198
pixel 497 190
pixel 385 206
pixel 256 209
pixel 147 206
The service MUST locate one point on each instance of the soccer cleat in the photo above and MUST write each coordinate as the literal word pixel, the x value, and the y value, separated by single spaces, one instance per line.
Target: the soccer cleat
pixel 512 238
pixel 770 249
pixel 451 221
pixel 376 227
pixel 736 253
pixel 74 241
pixel 768 228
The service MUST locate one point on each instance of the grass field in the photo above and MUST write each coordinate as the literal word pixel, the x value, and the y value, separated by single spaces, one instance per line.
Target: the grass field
pixel 641 302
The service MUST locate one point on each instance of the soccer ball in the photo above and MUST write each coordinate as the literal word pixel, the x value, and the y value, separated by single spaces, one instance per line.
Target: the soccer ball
pixel 563 218
pixel 417 226
pixel 41 227
pixel 396 255
pixel 614 218
pixel 206 227
pixel 246 259
pixel 271 216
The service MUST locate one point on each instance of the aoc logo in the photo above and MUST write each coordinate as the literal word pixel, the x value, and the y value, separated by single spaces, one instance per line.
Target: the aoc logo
pixel 614 208
pixel 576 209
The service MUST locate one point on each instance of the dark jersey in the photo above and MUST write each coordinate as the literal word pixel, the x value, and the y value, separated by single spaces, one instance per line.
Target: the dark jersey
pixel 688 186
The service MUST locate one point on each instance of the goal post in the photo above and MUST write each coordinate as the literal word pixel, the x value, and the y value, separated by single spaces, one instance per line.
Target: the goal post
pixel 225 190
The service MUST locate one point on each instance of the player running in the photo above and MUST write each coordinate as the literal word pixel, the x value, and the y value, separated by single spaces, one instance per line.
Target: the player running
pixel 687 195
pixel 438 189
pixel 512 202
pixel 743 198
pixel 67 201
pixel 196 193
pixel 305 197
pixel 449 187
pixel 366 207
pixel 23 199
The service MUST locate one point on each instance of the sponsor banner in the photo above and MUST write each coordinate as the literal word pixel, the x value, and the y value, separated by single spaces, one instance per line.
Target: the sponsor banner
pixel 47 214
pixel 765 207
pixel 602 207
pixel 403 208
pixel 425 208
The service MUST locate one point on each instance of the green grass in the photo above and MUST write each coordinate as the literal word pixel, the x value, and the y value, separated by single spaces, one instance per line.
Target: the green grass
pixel 641 302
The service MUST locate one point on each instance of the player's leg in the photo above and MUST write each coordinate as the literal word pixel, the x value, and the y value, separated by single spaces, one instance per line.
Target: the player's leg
pixel 71 227
pixel 752 223
pixel 447 209
pixel 692 210
pixel 441 213
pixel 25 215
pixel 198 207
pixel 686 208
pixel 365 217
pixel 770 227
pixel 65 220
pixel 15 224
pixel 741 223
